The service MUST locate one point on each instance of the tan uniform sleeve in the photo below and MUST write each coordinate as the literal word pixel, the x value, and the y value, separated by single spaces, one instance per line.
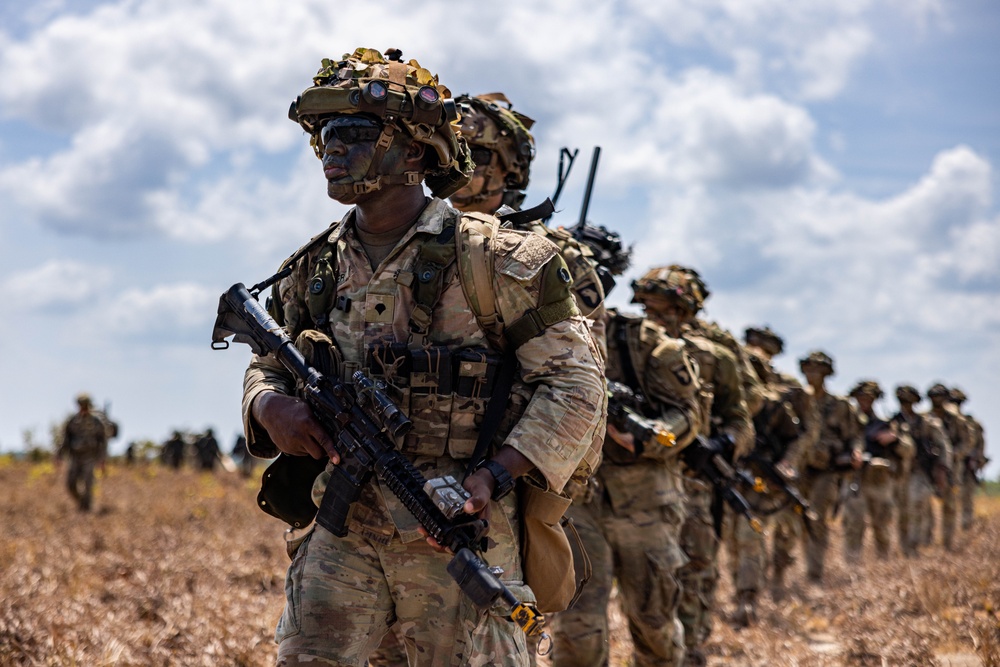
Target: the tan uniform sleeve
pixel 565 419
pixel 729 408
pixel 264 374
pixel 808 415
pixel 672 382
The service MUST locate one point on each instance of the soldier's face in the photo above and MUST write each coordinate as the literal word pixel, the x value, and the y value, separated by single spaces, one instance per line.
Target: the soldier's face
pixel 865 402
pixel 666 312
pixel 815 374
pixel 348 148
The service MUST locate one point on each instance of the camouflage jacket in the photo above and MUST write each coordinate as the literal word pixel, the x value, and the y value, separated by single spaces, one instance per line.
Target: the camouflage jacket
pixel 668 379
pixel 840 431
pixel 721 391
pixel 899 453
pixel 786 389
pixel 85 436
pixel 931 444
pixel 753 385
pixel 586 287
pixel 557 403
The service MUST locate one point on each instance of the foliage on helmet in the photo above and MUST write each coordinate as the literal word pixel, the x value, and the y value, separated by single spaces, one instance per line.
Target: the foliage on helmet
pixel 674 281
pixel 764 338
pixel 907 393
pixel 402 96
pixel 867 387
pixel 817 358
pixel 83 399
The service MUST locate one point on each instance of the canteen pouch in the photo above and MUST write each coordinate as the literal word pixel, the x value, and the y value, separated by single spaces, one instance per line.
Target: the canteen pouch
pixel 286 489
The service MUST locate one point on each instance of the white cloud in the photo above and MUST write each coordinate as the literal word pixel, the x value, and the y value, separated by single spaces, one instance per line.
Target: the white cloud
pixel 162 312
pixel 56 284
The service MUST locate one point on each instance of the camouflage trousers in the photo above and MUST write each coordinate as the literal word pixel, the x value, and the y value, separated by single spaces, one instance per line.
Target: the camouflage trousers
pixel 920 512
pixel 342 594
pixel 747 549
pixel 640 551
pixel 968 494
pixel 700 577
pixel 949 516
pixel 821 490
pixel 871 504
pixel 901 501
pixel 80 480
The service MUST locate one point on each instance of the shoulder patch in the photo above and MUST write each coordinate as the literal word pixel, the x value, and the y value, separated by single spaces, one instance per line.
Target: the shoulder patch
pixel 526 259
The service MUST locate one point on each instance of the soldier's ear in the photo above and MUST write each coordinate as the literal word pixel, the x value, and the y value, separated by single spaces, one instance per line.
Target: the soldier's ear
pixel 415 152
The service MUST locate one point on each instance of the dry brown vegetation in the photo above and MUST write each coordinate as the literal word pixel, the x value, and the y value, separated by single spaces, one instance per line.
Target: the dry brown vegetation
pixel 180 568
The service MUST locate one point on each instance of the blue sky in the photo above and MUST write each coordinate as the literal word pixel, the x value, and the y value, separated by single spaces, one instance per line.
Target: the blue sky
pixel 830 168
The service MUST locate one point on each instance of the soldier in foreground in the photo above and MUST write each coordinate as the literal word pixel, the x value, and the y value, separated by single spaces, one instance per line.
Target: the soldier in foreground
pixel 630 516
pixel 871 502
pixel 671 297
pixel 955 428
pixel 929 473
pixel 974 461
pixel 388 290
pixel 786 426
pixel 838 449
pixel 85 442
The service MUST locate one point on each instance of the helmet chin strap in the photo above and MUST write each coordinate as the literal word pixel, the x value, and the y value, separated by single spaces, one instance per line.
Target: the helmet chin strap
pixel 486 192
pixel 373 180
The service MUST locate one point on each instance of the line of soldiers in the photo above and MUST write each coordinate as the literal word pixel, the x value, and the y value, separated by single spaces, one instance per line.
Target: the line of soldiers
pixel 704 437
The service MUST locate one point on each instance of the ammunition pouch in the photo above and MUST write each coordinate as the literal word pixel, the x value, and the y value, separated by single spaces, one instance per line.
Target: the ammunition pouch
pixel 286 489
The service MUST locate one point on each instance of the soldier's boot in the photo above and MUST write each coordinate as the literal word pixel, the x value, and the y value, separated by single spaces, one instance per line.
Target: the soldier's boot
pixel 746 609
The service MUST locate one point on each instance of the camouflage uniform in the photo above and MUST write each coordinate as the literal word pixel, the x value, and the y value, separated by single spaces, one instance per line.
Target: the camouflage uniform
pixel 786 427
pixel 932 456
pixel 85 442
pixel 974 461
pixel 672 296
pixel 873 497
pixel 958 435
pixel 437 360
pixel 840 435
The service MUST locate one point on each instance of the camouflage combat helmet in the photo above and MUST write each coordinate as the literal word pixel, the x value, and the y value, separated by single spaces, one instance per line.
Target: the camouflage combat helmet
pixel 938 389
pixel 907 394
pixel 817 358
pixel 83 400
pixel 679 282
pixel 490 125
pixel 867 387
pixel 403 96
pixel 765 339
pixel 958 396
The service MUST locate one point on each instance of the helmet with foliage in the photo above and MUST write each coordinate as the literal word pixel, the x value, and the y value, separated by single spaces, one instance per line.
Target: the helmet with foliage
pixel 938 389
pixel 907 394
pixel 498 138
pixel 404 97
pixel 674 281
pixel 958 396
pixel 83 400
pixel 817 358
pixel 867 387
pixel 765 339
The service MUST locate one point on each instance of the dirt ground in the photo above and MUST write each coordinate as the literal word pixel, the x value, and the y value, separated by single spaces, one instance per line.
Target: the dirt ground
pixel 180 568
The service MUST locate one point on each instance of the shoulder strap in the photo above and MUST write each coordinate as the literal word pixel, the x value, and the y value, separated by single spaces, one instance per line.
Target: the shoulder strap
pixel 476 273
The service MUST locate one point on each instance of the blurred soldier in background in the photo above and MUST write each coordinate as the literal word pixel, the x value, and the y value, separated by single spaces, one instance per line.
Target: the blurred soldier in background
pixel 207 451
pixel 786 426
pixel 838 449
pixel 958 435
pixel 975 460
pixel 173 451
pixel 671 297
pixel 242 457
pixel 85 442
pixel 929 472
pixel 871 488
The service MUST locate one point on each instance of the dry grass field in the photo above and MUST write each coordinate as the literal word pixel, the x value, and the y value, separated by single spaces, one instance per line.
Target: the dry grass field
pixel 180 568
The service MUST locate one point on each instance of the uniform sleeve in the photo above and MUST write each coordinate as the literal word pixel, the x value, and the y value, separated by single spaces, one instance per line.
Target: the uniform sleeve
pixel 728 406
pixel 672 382
pixel 851 429
pixel 565 419
pixel 264 374
pixel 808 415
pixel 940 441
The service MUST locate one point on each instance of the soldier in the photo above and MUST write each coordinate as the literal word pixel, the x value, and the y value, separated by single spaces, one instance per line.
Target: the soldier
pixel 631 517
pixel 974 462
pixel 671 297
pixel 85 441
pixel 786 427
pixel 207 451
pixel 173 450
pixel 425 299
pixel 955 428
pixel 502 149
pixel 873 496
pixel 929 472
pixel 838 447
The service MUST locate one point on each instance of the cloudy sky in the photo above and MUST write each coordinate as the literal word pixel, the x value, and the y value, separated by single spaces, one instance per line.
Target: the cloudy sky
pixel 830 167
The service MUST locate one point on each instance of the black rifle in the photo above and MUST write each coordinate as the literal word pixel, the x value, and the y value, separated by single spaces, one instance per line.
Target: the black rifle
pixel 772 478
pixel 706 458
pixel 625 410
pixel 361 419
pixel 563 176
